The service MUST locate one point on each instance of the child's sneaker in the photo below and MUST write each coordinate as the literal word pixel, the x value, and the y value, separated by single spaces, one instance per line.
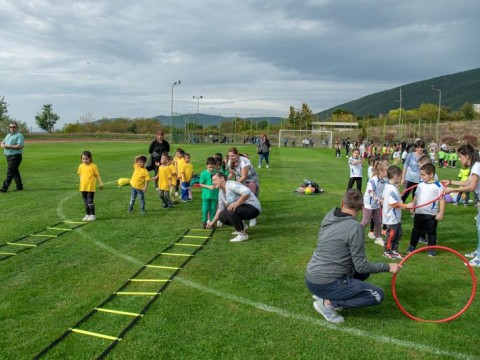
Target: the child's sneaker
pixel 379 241
pixel 410 249
pixel 204 225
pixel 431 253
pixel 371 235
pixel 475 262
pixel 472 254
pixel 397 255
pixel 388 254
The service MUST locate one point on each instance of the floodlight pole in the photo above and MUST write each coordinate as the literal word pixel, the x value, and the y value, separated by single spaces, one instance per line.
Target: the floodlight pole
pixel 171 111
pixel 439 109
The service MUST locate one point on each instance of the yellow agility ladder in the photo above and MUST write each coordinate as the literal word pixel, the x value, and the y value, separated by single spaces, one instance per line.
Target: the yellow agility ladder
pixel 134 298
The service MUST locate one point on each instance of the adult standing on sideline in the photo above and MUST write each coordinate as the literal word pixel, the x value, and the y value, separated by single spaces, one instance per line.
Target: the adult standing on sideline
pixel 411 169
pixel 12 148
pixel 236 203
pixel 336 272
pixel 156 149
pixel 263 150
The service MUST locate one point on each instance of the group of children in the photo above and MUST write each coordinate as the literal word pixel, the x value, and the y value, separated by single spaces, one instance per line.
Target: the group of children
pixel 383 205
pixel 173 175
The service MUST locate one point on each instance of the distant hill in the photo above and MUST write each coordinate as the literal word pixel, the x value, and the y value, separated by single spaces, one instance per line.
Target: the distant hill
pixel 205 119
pixel 456 90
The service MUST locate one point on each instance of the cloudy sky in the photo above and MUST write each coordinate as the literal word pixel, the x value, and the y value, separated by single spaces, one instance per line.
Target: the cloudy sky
pixel 120 58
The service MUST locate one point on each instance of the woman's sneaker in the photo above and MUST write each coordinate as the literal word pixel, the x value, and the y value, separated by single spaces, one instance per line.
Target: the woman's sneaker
pixel 379 241
pixel 475 262
pixel 472 254
pixel 239 238
pixel 371 235
pixel 85 218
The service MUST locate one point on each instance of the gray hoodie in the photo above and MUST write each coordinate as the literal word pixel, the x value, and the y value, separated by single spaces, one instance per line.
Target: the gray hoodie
pixel 340 250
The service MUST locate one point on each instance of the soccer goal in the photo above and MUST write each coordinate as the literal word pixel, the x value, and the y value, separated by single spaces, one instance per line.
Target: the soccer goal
pixel 305 138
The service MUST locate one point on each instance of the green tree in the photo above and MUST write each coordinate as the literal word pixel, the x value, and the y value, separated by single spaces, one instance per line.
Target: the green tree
pixel 468 111
pixel 47 119
pixel 306 117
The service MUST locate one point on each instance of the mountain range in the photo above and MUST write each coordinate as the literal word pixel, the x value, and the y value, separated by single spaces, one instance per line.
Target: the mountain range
pixel 456 89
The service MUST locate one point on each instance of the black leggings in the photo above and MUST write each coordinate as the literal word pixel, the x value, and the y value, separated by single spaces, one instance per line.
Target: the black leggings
pixel 408 185
pixel 352 180
pixel 235 218
pixel 88 202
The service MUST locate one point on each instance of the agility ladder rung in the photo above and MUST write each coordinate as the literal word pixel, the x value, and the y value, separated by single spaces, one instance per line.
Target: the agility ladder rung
pixel 126 313
pixel 139 293
pixel 76 222
pixel 191 245
pixel 60 229
pixel 163 267
pixel 9 254
pixel 91 333
pixel 44 235
pixel 19 244
pixel 150 280
pixel 175 254
pixel 196 237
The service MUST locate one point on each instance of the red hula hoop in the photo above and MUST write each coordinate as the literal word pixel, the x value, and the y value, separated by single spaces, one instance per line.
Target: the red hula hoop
pixel 470 300
pixel 427 203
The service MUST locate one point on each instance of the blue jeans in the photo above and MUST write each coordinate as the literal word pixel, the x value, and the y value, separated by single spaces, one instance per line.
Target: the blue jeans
pixel 185 190
pixel 348 291
pixel 261 157
pixel 133 197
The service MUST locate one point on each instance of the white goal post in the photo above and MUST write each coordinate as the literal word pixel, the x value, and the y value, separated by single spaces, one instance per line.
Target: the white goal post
pixel 305 138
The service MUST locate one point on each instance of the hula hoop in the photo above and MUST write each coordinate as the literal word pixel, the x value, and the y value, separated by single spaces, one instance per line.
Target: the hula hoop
pixel 470 300
pixel 429 202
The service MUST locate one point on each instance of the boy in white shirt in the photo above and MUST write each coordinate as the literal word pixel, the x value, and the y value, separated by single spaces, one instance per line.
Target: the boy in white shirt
pixel 392 212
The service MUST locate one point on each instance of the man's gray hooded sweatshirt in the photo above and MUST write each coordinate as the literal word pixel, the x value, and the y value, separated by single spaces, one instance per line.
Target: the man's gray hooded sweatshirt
pixel 340 250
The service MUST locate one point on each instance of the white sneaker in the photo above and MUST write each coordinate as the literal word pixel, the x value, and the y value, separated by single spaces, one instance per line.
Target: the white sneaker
pixel 472 254
pixel 239 237
pixel 245 227
pixel 267 166
pixel 379 241
pixel 219 224
pixel 328 312
pixel 86 217
pixel 371 235
pixel 91 218
pixel 253 222
pixel 475 262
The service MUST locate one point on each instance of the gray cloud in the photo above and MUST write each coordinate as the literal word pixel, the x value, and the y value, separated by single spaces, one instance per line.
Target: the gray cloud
pixel 120 58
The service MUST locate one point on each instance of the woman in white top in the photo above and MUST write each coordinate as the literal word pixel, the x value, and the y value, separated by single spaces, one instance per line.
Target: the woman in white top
pixel 236 203
pixel 468 156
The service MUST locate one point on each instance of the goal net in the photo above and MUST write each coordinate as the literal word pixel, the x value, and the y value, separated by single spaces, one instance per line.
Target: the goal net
pixel 305 138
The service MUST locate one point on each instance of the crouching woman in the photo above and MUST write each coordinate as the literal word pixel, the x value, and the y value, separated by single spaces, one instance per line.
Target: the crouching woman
pixel 236 203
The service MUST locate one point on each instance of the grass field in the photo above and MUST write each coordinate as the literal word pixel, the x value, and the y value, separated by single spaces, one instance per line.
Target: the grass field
pixel 232 301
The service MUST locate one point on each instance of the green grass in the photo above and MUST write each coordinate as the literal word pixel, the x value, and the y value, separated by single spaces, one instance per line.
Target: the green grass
pixel 232 301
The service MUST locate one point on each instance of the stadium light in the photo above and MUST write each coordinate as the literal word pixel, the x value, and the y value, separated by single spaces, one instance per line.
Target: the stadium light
pixel 171 111
pixel 439 108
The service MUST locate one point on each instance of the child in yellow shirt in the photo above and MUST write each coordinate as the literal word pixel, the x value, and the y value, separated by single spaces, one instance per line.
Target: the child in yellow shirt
pixel 186 173
pixel 89 175
pixel 164 181
pixel 139 182
pixel 173 187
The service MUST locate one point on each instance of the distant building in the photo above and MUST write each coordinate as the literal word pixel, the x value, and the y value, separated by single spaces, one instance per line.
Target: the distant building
pixel 333 126
pixel 476 108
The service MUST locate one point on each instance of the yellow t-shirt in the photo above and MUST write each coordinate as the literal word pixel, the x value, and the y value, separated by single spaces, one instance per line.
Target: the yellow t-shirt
pixel 178 164
pixel 139 177
pixel 88 177
pixel 173 170
pixel 186 171
pixel 164 173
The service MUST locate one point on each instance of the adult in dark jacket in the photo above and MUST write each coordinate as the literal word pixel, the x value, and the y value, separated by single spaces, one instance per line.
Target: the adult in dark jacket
pixel 263 150
pixel 336 272
pixel 156 149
